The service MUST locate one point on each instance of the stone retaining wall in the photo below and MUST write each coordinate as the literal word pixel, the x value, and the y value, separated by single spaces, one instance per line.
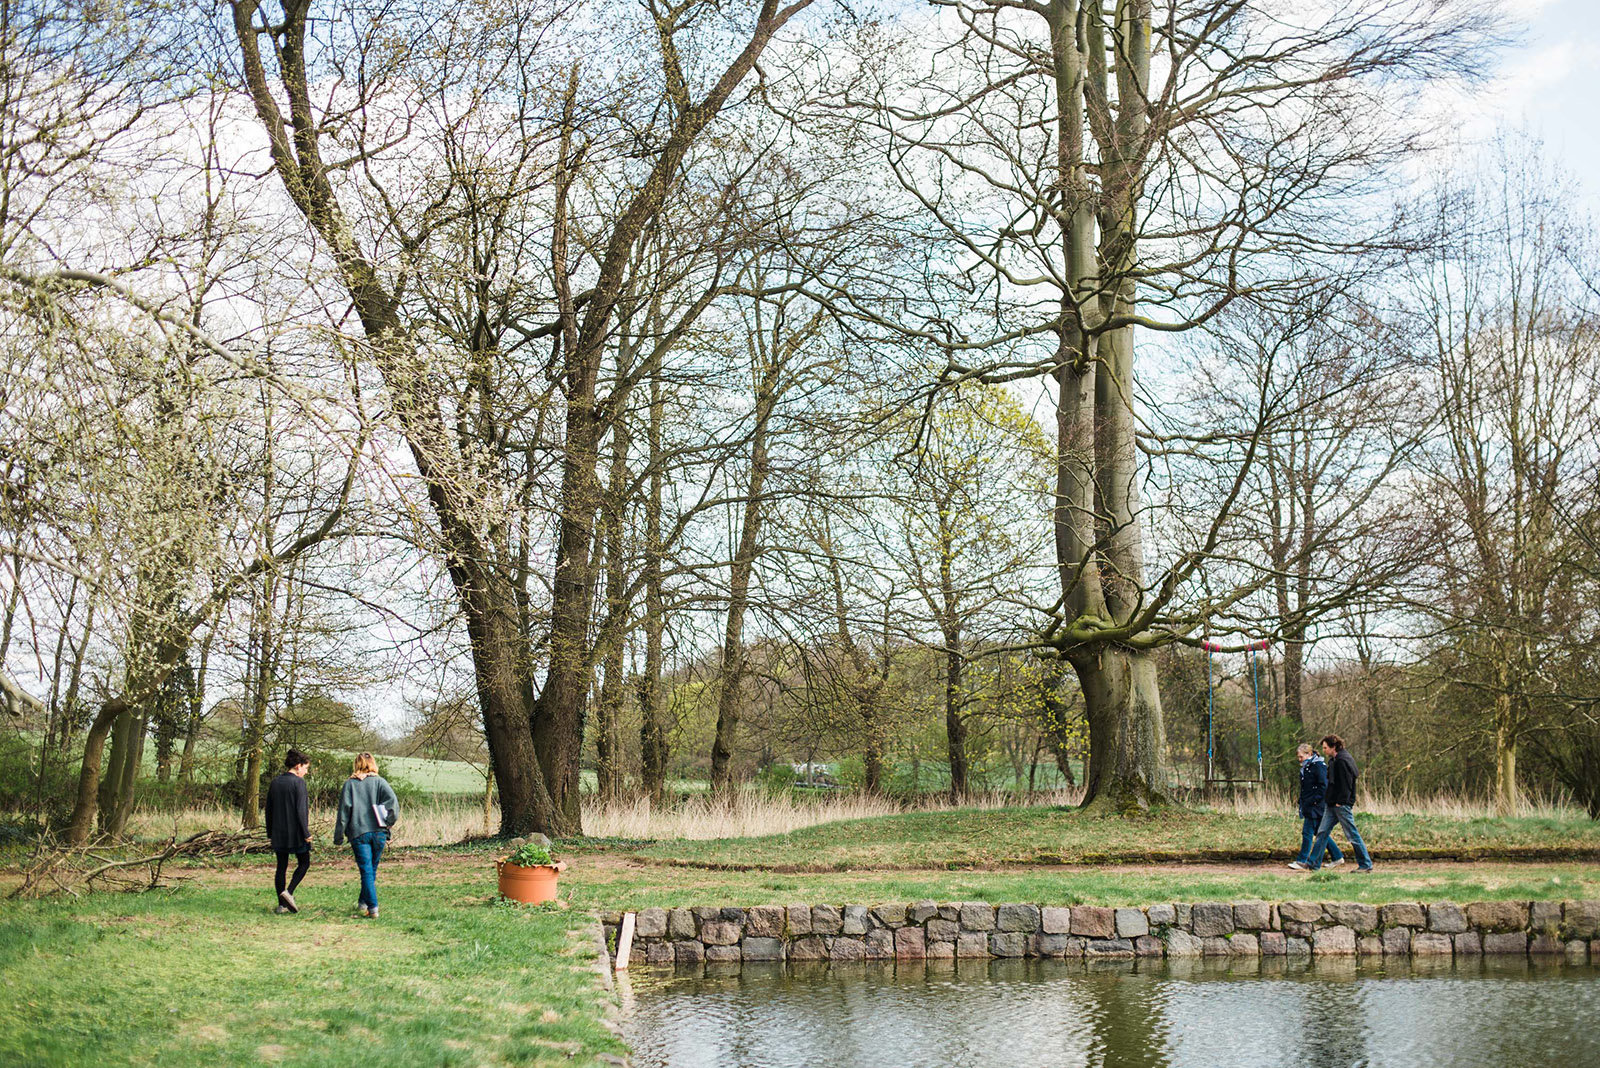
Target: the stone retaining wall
pixel 928 930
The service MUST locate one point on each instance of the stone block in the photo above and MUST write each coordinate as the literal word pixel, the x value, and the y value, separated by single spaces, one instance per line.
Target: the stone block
pixel 1148 946
pixel 1131 923
pixel 922 912
pixel 1431 944
pixel 880 944
pixel 1545 945
pixel 1468 944
pixel 1008 944
pixel 799 919
pixel 1252 915
pixel 808 947
pixel 1274 944
pixel 680 924
pixel 1048 945
pixel 1335 941
pixel 1580 919
pixel 972 944
pixel 720 932
pixel 1183 915
pixel 1397 942
pixel 1498 916
pixel 762 947
pixel 689 952
pixel 942 930
pixel 1512 942
pixel 1161 915
pixel 732 914
pixel 826 920
pixel 889 915
pixel 910 943
pixel 1181 943
pixel 950 911
pixel 650 923
pixel 1215 946
pixel 1296 947
pixel 722 955
pixel 1023 918
pixel 703 914
pixel 1212 919
pixel 1354 915
pixel 1403 914
pixel 1055 920
pixel 1300 911
pixel 847 948
pixel 1244 944
pixel 1369 945
pixel 1446 918
pixel 659 953
pixel 1576 951
pixel 1544 916
pixel 1108 949
pixel 1594 950
pixel 941 950
pixel 1092 921
pixel 855 920
pixel 611 919
pixel 765 921
pixel 977 916
pixel 1298 928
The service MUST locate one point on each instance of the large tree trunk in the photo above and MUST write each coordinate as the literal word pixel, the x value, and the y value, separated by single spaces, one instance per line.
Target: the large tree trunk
pixel 613 687
pixel 740 572
pixel 653 740
pixel 955 724
pixel 1127 738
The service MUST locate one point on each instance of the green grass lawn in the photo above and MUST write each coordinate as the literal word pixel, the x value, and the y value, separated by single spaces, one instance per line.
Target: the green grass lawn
pixel 206 975
pixel 977 838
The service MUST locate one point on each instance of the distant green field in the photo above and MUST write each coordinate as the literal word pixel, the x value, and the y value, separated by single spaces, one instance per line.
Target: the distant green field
pixel 434 776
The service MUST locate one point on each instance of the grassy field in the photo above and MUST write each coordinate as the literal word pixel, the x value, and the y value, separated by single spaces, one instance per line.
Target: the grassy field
pixel 965 838
pixel 205 974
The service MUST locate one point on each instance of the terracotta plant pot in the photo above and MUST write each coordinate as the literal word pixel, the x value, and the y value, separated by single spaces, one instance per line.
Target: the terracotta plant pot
pixel 528 885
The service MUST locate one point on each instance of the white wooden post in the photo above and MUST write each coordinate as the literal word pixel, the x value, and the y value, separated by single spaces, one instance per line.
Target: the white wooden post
pixel 624 941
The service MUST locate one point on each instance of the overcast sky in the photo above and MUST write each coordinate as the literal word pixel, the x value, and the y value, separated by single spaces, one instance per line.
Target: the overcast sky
pixel 1550 81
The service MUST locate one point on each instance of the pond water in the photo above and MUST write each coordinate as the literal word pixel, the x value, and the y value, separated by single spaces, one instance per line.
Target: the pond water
pixel 978 1014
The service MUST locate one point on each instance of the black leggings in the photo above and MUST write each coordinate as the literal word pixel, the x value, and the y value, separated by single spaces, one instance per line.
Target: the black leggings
pixel 302 862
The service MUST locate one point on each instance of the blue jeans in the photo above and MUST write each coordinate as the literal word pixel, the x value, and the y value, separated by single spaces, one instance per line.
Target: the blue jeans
pixel 368 848
pixel 1342 815
pixel 1308 831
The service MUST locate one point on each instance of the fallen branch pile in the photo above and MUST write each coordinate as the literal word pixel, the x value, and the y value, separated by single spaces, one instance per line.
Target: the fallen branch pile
pixel 60 869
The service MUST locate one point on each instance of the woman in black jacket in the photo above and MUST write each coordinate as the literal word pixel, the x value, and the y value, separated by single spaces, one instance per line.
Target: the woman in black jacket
pixel 1313 789
pixel 289 825
pixel 1341 803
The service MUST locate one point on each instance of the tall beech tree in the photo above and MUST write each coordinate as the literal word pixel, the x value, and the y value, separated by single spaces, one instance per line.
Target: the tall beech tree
pixel 1098 170
pixel 480 71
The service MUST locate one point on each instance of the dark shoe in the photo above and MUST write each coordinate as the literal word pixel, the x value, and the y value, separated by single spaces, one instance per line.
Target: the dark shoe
pixel 1364 871
pixel 288 901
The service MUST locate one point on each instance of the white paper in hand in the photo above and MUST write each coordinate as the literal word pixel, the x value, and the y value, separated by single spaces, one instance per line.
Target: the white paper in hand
pixel 381 811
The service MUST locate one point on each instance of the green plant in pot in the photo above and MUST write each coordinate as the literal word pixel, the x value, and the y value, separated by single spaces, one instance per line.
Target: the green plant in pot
pixel 529 874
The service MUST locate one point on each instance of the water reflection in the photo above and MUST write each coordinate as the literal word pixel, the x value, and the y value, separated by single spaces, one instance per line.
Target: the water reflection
pixel 1186 1014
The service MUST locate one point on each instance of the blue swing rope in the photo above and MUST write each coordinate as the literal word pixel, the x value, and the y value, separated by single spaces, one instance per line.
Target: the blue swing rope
pixel 1255 692
pixel 1211 708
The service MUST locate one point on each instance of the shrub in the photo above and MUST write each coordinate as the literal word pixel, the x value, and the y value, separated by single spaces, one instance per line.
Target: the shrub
pixel 530 855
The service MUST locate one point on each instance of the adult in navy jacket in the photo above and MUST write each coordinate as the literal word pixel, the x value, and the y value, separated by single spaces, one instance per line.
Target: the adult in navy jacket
pixel 1313 788
pixel 1339 807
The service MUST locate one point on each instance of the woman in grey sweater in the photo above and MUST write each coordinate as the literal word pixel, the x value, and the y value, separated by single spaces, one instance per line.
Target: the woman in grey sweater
pixel 367 809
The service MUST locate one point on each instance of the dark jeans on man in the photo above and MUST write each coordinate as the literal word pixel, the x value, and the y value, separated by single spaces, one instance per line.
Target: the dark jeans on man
pixel 1344 817
pixel 1308 832
pixel 368 849
pixel 301 863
